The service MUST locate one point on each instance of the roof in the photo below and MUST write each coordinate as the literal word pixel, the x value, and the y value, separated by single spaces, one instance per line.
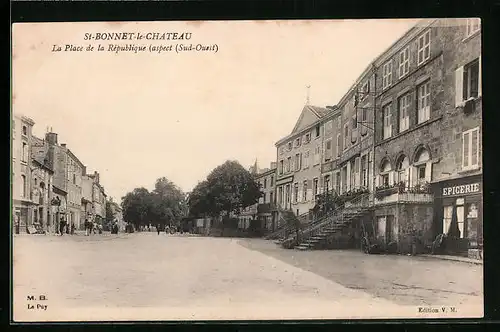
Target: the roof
pixel 319 111
pixel 42 163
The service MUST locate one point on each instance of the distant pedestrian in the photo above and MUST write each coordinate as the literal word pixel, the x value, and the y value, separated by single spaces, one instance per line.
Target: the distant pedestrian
pixel 62 224
pixel 72 229
pixel 158 228
pixel 86 224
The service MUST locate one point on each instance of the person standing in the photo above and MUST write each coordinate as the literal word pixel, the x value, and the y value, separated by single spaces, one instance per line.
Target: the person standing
pixel 62 224
pixel 158 229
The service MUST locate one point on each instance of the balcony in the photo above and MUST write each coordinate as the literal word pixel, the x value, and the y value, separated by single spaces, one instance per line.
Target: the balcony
pixel 264 208
pixel 401 193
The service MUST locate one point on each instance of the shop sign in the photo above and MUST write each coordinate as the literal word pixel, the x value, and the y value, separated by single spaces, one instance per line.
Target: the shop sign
pixel 462 189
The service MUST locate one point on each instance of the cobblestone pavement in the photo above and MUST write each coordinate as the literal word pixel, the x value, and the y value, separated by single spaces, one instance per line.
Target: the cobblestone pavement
pixel 147 276
pixel 401 279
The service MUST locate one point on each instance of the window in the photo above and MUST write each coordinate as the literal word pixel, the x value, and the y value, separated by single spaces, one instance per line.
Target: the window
pixel 365 90
pixel 473 26
pixel 404 62
pixel 337 182
pixel 424 46
pixel 327 183
pixel 317 155
pixel 304 191
pixel 404 117
pixel 387 121
pixel 423 102
pixel 354 122
pixel 289 146
pixel 384 173
pixel 364 120
pixel 387 75
pixel 24 153
pixel 339 143
pixel 306 159
pixel 385 179
pixel 470 149
pixel 295 192
pixel 328 127
pixel 272 180
pixel 297 162
pixel 364 171
pixel 297 142
pixel 271 197
pixel 280 195
pixel 307 138
pixel 328 150
pixel 317 131
pixel 265 183
pixel 402 167
pixel 471 80
pixel 346 135
pixel 23 186
pixel 281 150
pixel 288 164
pixel 421 174
pixel 25 131
pixel 74 179
pixel 281 169
pixel 36 181
pixel 315 187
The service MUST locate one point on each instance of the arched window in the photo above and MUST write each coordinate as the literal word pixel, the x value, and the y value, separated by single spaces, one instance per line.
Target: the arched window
pixel 421 159
pixel 25 131
pixel 385 170
pixel 402 168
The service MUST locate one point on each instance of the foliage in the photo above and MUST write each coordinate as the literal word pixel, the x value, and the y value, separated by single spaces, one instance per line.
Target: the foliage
pixel 228 188
pixel 165 205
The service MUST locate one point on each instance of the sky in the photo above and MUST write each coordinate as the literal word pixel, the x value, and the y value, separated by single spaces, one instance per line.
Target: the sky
pixel 135 117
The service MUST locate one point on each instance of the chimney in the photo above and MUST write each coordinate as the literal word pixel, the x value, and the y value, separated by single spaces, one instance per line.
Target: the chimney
pixel 51 138
pixel 63 145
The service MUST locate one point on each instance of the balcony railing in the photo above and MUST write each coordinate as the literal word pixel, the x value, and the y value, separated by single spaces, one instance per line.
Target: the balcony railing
pixel 402 193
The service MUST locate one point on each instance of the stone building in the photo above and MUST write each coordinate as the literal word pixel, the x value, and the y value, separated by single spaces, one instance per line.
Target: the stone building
pixel 299 156
pixel 42 186
pixel 87 208
pixel 98 198
pixel 457 179
pixel 416 117
pixel 75 169
pixel 117 214
pixel 22 169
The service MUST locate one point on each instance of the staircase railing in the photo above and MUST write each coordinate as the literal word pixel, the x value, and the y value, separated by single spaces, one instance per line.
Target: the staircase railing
pixel 286 227
pixel 332 217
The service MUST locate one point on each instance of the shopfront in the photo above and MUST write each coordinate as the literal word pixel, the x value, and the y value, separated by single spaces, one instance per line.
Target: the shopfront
pixel 466 196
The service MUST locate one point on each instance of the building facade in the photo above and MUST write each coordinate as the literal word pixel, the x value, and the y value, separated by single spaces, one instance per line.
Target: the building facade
pixel 75 171
pixel 87 209
pixel 427 133
pixel 117 214
pixel 22 169
pixel 98 198
pixel 299 158
pixel 457 180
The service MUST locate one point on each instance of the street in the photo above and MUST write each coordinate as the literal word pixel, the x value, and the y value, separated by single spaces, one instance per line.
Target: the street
pixel 145 276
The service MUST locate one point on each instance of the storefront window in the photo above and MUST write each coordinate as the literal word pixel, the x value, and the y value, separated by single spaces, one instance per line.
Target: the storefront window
pixel 447 211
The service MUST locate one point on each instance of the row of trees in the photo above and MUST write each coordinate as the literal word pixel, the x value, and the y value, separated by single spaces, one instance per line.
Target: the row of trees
pixel 227 189
pixel 165 205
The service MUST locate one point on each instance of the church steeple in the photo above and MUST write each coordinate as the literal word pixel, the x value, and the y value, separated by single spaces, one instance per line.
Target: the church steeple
pixel 255 168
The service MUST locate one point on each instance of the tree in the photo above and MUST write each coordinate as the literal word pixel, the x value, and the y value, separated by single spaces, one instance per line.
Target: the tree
pixel 228 188
pixel 136 206
pixel 168 202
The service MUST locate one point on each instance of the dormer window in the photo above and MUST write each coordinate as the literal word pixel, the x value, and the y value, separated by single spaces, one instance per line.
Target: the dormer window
pixel 289 146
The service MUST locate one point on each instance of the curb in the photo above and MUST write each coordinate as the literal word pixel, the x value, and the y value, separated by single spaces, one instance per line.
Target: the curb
pixel 453 259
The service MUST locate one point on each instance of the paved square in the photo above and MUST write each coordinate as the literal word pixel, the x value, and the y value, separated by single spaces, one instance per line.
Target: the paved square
pixel 145 276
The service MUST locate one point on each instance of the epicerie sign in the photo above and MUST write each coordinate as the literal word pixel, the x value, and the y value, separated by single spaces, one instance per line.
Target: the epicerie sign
pixel 463 189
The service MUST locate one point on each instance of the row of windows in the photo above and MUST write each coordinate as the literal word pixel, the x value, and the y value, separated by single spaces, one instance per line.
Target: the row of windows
pixel 263 184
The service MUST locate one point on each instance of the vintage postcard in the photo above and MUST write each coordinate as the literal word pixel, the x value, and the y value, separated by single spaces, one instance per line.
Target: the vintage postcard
pixel 247 170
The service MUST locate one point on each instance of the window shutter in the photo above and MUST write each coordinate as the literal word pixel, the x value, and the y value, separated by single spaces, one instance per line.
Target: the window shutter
pixel 428 171
pixel 479 87
pixel 300 161
pixel 357 170
pixel 391 177
pixel 410 176
pixel 459 86
pixel 465 150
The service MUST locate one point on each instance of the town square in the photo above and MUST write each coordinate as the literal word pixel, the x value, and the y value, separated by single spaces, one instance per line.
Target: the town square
pixel 235 185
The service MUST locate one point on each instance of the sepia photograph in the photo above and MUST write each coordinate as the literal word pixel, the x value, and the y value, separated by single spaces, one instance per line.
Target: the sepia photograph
pixel 246 170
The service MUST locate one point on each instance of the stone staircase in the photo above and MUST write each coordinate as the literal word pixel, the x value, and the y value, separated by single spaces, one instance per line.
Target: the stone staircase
pixel 287 219
pixel 333 224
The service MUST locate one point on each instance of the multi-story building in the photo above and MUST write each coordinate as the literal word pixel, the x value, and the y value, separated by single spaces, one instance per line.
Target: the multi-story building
pixel 299 156
pixel 24 207
pixel 57 161
pixel 264 210
pixel 427 128
pixel 98 198
pixel 87 209
pixel 457 179
pixel 42 186
pixel 117 214
pixel 75 170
